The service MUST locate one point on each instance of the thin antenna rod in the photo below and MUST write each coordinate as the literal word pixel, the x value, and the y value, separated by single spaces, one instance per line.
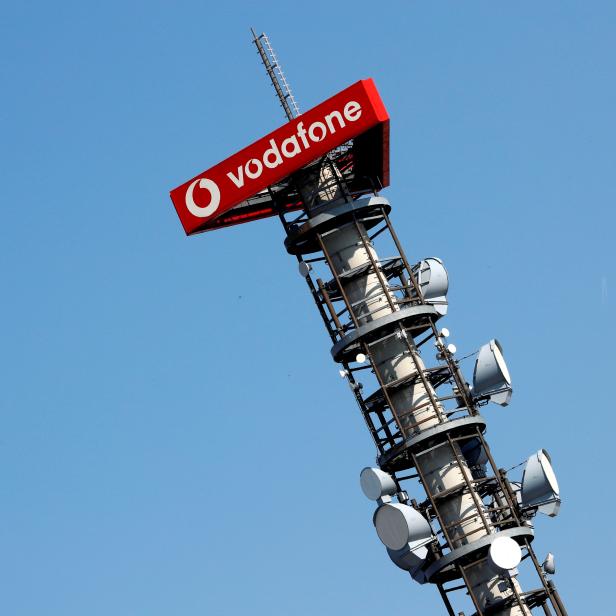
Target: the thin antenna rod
pixel 274 70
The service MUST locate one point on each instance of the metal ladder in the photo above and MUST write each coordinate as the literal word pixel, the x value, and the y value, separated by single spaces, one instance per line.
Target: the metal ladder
pixel 276 74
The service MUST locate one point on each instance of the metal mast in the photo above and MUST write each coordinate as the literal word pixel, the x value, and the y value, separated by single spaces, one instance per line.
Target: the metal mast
pixel 473 528
pixel 276 74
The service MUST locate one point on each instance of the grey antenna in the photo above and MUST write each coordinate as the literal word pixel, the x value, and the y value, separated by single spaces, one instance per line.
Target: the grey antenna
pixel 399 525
pixel 376 484
pixel 539 485
pixel 276 74
pixel 434 282
pixel 410 560
pixel 549 565
pixel 491 379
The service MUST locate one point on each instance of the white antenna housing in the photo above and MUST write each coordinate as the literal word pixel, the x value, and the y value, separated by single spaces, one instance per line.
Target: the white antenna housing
pixel 399 525
pixel 376 483
pixel 491 379
pixel 434 282
pixel 539 485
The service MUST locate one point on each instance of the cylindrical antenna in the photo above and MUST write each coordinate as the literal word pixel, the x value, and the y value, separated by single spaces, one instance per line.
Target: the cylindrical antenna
pixel 274 70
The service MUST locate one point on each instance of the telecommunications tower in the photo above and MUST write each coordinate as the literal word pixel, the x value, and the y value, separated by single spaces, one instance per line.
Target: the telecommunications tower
pixel 469 528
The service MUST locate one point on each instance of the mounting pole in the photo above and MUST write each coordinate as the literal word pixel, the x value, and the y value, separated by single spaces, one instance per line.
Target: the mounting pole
pixel 274 70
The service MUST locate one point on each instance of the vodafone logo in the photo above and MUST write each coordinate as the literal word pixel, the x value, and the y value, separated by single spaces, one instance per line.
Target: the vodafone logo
pixel 221 195
pixel 203 211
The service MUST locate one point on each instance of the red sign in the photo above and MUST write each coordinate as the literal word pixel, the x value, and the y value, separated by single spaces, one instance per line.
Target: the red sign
pixel 279 154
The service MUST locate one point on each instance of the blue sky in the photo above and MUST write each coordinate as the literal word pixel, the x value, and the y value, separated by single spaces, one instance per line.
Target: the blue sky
pixel 174 438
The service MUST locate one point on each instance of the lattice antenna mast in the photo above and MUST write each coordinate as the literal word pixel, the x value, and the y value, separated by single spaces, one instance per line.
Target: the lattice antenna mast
pixel 276 74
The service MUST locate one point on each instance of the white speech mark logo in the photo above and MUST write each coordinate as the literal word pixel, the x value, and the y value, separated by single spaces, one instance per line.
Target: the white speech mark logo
pixel 206 210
